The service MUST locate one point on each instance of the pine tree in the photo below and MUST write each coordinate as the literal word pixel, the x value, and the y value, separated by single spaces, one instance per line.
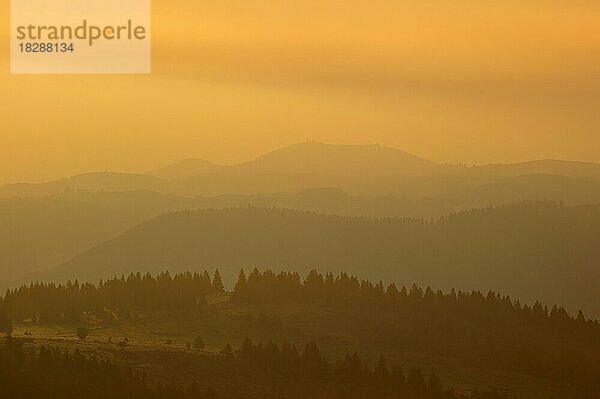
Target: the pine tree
pixel 239 291
pixel 199 343
pixel 312 361
pixel 434 386
pixel 381 370
pixel 206 280
pixel 415 382
pixel 217 283
pixel 398 379
pixel 227 351
pixel 241 281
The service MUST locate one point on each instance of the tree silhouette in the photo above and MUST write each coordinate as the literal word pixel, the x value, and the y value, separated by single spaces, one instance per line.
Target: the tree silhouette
pixel 241 281
pixel 227 350
pixel 199 343
pixel 217 282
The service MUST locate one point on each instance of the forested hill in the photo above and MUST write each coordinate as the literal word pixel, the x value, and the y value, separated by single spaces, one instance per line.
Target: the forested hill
pixel 534 251
pixel 292 374
pixel 486 331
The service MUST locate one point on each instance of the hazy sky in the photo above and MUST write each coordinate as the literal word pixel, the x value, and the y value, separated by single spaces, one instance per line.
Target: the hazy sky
pixel 453 81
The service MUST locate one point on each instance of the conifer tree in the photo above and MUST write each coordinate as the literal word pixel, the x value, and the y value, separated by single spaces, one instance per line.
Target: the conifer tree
pixel 240 285
pixel 241 282
pixel 415 383
pixel 199 343
pixel 227 350
pixel 381 370
pixel 217 283
pixel 434 386
pixel 312 361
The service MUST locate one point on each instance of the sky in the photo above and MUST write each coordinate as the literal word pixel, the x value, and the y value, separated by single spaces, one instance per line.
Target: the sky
pixel 451 81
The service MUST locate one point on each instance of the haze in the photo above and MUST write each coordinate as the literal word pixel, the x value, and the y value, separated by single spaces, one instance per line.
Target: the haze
pixel 460 81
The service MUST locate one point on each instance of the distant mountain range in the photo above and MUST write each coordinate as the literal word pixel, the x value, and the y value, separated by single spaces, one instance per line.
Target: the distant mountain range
pixel 362 170
pixel 39 233
pixel 46 225
pixel 535 251
pixel 366 160
pixel 314 159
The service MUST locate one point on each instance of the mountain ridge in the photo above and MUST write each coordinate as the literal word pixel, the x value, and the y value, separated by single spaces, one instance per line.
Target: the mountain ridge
pixel 506 248
pixel 370 170
pixel 302 153
pixel 306 158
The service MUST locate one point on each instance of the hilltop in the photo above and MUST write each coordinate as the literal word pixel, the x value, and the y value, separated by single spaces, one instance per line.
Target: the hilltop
pixel 369 170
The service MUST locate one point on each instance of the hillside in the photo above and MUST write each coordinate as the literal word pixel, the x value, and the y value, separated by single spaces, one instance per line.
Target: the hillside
pixel 101 181
pixel 366 160
pixel 536 251
pixel 94 217
pixel 571 190
pixel 338 160
pixel 38 234
pixel 470 340
pixel 187 168
pixel 319 200
pixel 544 166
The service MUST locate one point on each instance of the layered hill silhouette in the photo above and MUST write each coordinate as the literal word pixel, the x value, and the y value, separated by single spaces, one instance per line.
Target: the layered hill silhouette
pixel 187 168
pixel 358 169
pixel 536 251
pixel 44 225
pixel 570 190
pixel 366 160
pixel 314 159
pixel 95 182
pixel 544 166
pixel 36 234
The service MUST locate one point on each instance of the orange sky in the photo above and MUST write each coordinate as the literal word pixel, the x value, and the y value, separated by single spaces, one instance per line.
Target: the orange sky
pixel 453 81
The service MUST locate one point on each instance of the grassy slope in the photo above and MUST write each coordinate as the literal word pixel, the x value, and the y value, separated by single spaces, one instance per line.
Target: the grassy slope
pixel 225 322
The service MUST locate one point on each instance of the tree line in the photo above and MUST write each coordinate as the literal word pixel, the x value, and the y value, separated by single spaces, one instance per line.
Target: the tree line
pixel 66 375
pixel 53 374
pixel 51 302
pixel 487 330
pixel 348 377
